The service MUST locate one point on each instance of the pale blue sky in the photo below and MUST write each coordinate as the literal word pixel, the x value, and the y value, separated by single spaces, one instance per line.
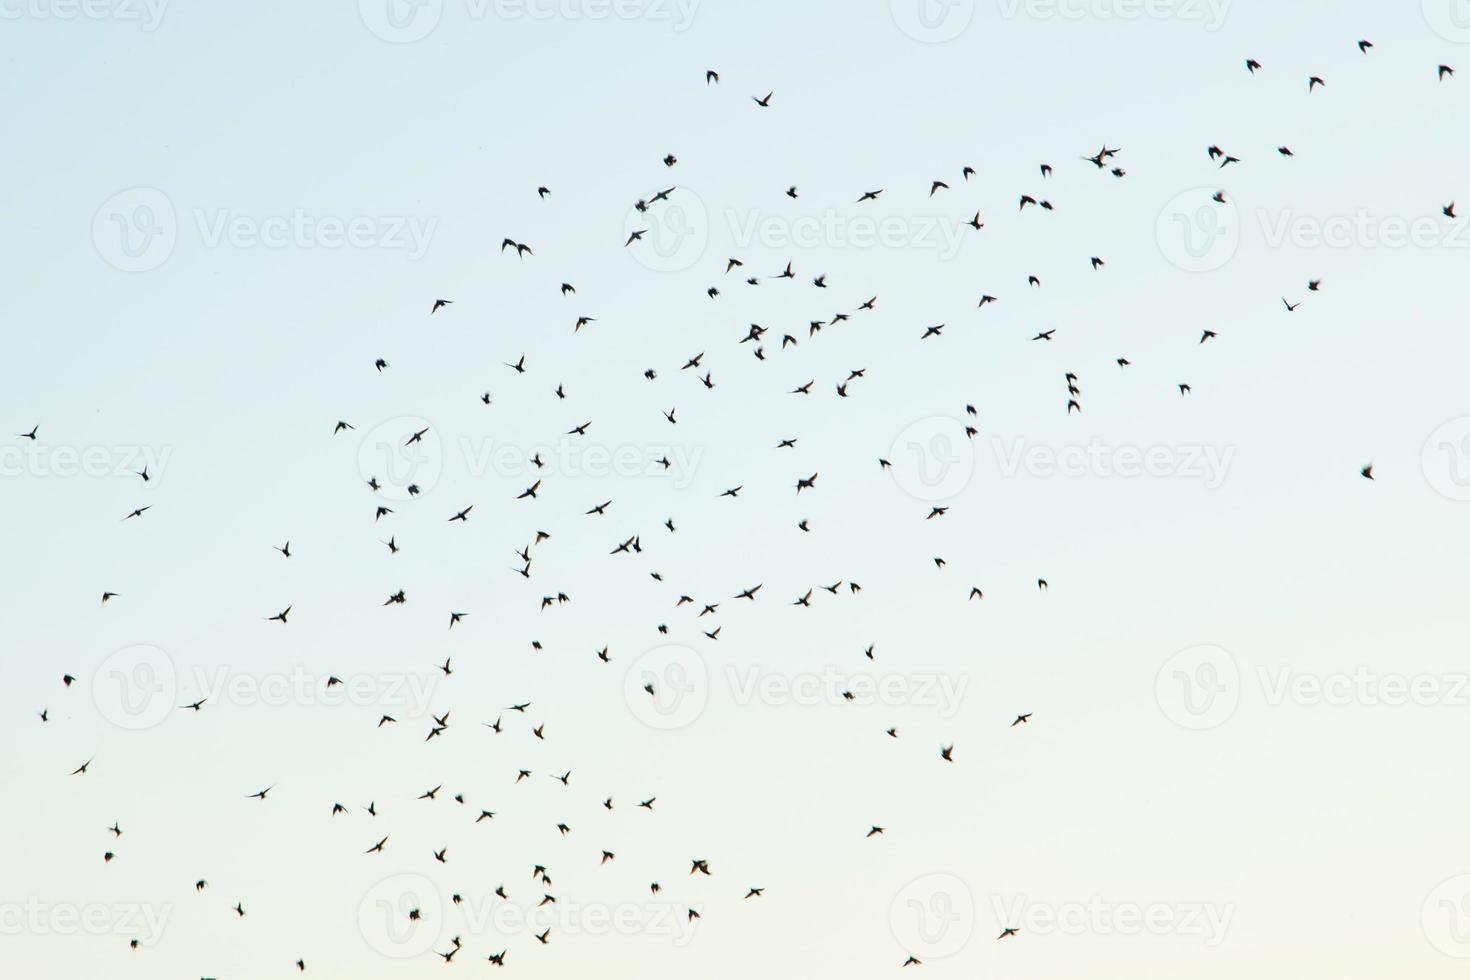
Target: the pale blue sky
pixel 1316 835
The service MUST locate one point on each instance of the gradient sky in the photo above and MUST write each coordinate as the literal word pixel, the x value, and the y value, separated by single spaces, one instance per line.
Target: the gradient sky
pixel 1179 765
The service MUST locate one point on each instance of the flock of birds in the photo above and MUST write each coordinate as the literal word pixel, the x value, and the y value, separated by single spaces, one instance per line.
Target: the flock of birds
pixel 705 612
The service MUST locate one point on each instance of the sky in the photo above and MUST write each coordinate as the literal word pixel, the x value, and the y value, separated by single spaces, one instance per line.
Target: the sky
pixel 1247 676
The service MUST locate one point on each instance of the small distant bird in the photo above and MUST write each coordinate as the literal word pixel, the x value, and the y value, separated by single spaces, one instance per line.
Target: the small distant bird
pixel 1367 472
